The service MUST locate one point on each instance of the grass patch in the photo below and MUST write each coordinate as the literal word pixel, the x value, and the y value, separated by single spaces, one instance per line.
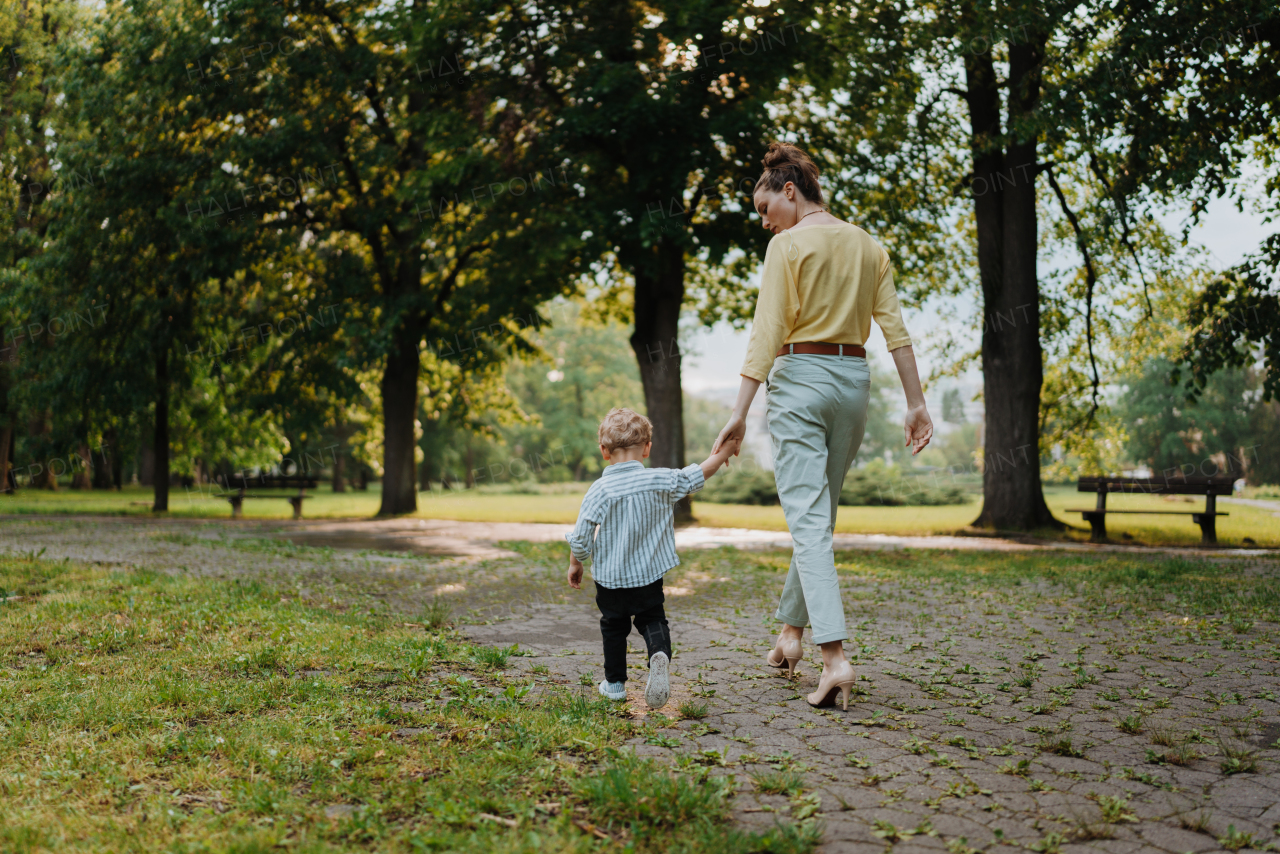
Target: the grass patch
pixel 436 614
pixel 1112 584
pixel 146 712
pixel 693 710
pixel 1130 724
pixel 785 782
pixel 1237 759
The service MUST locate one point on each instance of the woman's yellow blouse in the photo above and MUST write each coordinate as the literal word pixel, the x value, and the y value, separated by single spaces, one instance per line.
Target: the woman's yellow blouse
pixel 822 283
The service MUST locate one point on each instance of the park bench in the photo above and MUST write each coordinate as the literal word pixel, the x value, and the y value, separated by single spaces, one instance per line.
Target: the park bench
pixel 241 485
pixel 1209 487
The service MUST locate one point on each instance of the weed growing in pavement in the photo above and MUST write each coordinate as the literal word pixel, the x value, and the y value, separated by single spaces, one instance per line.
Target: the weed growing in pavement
pixel 693 711
pixel 778 782
pixel 436 614
pixel 1237 760
pixel 1131 724
pixel 1115 809
pixel 1234 840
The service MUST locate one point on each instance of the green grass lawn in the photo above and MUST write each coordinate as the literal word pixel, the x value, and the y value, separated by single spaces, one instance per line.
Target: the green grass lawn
pixel 147 713
pixel 560 504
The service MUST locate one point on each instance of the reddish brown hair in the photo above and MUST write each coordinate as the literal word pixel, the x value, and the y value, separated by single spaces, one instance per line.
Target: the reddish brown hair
pixel 784 162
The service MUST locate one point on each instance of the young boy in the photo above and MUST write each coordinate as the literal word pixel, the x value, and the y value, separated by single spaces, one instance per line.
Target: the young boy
pixel 634 507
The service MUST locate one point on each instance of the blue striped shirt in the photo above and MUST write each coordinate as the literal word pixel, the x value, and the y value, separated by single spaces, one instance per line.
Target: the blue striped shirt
pixel 634 507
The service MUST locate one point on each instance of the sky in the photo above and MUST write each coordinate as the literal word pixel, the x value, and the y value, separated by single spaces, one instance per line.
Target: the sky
pixel 1228 234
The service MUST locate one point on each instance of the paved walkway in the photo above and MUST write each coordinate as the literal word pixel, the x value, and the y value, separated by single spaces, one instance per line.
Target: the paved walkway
pixel 470 541
pixel 985 718
pixel 482 539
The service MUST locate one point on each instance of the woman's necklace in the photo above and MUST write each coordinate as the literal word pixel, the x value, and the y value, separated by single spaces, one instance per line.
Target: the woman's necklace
pixel 811 213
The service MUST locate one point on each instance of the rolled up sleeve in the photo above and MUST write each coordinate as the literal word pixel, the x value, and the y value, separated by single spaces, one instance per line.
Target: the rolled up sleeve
pixel 687 481
pixel 887 311
pixel 583 536
pixel 777 309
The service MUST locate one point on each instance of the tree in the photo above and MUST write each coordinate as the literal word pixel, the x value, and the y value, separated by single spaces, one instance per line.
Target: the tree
pixel 1176 433
pixel 584 370
pixel 121 241
pixel 665 110
pixel 947 99
pixel 441 216
pixel 1194 89
pixel 30 36
pixel 966 135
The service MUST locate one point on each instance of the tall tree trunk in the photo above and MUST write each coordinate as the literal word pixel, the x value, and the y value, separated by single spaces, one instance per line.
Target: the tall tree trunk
pixel 1005 210
pixel 82 468
pixel 160 444
pixel 146 463
pixel 658 299
pixel 7 440
pixel 43 477
pixel 111 449
pixel 339 472
pixel 102 463
pixel 7 419
pixel 399 410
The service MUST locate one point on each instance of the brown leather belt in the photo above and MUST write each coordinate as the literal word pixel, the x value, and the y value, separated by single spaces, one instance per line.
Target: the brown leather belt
pixel 807 348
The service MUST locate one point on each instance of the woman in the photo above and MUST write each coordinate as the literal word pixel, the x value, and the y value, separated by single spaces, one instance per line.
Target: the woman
pixel 822 283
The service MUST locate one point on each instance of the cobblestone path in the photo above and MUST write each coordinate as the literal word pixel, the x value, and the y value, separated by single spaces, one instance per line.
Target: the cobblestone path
pixel 985 718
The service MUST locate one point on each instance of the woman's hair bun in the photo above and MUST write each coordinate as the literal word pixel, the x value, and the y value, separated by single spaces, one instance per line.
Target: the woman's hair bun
pixel 785 162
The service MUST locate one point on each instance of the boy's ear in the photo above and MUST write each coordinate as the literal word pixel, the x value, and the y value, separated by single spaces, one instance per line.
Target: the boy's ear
pixel 604 452
pixel 647 446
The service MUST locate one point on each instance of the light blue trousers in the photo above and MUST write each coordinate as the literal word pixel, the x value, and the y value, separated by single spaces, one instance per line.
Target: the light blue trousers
pixel 817 410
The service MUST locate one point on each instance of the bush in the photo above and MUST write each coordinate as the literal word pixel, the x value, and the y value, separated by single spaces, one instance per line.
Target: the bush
pixel 742 484
pixel 872 485
pixel 879 485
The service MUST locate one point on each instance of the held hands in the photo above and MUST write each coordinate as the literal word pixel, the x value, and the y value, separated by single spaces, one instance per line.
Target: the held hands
pixel 733 431
pixel 725 449
pixel 918 429
pixel 730 448
pixel 575 573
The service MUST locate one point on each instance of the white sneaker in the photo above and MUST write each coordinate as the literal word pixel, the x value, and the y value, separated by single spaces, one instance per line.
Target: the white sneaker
pixel 614 690
pixel 658 690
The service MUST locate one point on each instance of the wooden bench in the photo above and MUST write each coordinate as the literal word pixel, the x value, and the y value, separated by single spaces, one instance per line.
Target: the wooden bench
pixel 241 484
pixel 1209 487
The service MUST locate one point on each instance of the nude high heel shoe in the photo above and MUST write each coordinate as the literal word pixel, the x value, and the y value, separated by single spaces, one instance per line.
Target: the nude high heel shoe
pixel 787 653
pixel 838 682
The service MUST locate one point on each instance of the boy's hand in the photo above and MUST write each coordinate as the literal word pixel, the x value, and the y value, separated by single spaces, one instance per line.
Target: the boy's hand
pixel 713 463
pixel 730 448
pixel 575 573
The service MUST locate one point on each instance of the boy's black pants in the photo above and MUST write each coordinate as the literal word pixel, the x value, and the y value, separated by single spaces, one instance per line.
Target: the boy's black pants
pixel 618 607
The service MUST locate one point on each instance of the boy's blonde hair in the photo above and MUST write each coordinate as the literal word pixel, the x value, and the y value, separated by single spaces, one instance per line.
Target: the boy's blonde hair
pixel 622 428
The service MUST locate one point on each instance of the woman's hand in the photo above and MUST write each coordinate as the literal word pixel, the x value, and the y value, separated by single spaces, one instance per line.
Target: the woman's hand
pixel 736 428
pixel 733 432
pixel 918 428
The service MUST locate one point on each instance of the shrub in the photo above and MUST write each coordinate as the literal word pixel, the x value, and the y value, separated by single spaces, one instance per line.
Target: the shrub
pixel 872 485
pixel 742 485
pixel 878 485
